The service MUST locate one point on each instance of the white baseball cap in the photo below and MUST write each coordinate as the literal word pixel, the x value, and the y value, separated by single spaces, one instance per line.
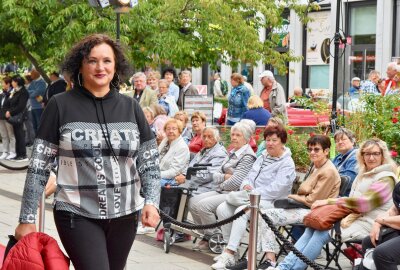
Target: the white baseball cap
pixel 355 79
pixel 266 73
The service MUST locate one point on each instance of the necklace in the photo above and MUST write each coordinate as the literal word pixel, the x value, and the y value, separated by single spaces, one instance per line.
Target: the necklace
pixel 321 165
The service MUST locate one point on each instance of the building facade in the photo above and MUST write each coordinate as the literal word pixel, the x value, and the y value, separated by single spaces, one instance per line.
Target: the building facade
pixel 370 27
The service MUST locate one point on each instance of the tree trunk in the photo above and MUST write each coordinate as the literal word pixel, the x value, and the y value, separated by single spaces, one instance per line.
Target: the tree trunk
pixel 34 62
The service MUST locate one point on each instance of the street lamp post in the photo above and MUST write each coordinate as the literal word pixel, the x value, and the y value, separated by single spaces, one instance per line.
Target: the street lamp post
pixel 120 6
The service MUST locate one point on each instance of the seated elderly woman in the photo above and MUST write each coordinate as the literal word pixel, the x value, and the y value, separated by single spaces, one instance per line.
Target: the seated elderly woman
pixel 272 175
pixel 346 161
pixel 385 235
pixel 369 198
pixel 322 181
pixel 228 178
pixel 187 131
pixel 165 100
pixel 213 153
pixel 174 153
pixel 198 124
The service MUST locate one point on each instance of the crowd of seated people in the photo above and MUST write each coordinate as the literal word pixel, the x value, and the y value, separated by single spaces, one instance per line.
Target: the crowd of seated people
pixel 369 173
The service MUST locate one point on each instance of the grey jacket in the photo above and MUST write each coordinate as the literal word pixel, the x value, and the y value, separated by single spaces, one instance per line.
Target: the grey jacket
pixel 190 91
pixel 203 179
pixel 277 100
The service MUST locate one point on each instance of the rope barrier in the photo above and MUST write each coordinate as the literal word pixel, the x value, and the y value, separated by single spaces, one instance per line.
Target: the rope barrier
pixel 282 238
pixel 13 168
pixel 205 226
pixel 288 244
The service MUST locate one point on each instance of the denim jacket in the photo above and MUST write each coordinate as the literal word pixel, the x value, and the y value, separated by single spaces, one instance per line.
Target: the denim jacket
pixel 238 101
pixel 347 166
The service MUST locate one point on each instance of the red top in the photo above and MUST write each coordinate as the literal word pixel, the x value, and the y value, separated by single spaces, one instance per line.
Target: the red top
pixel 196 144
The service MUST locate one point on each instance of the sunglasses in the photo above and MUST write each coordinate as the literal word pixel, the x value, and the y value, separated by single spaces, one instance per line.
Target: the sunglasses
pixel 315 149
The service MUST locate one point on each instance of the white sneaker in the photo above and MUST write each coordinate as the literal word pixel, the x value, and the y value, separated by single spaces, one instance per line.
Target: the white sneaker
pixel 224 260
pixel 145 230
pixel 216 258
pixel 11 156
pixel 4 155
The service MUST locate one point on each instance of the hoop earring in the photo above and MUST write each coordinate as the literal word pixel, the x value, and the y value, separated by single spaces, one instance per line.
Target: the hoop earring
pixel 79 80
pixel 118 82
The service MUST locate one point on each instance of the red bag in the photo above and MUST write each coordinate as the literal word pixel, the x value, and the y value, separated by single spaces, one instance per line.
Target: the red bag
pixel 322 218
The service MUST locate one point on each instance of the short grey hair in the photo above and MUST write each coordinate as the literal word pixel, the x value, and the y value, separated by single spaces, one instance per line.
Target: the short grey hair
pixel 243 128
pixel 215 132
pixel 250 123
pixel 392 65
pixel 139 75
pixel 187 72
pixel 345 132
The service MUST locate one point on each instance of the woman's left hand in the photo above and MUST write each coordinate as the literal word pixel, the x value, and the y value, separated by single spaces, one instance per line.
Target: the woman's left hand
pixel 319 203
pixel 150 216
pixel 8 115
pixel 180 179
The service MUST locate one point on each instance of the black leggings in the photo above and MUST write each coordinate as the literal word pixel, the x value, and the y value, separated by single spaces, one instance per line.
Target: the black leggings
pixel 386 254
pixel 96 244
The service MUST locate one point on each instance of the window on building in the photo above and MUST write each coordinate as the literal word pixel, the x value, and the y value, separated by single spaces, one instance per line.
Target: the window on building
pixel 319 77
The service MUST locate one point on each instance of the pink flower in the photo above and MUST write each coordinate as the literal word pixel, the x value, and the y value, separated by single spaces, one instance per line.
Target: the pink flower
pixel 312 134
pixel 395 120
pixel 290 131
pixel 394 153
pixel 258 131
pixel 397 109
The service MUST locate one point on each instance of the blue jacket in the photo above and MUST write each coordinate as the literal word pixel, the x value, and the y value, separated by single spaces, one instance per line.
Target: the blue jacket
pixel 36 88
pixel 347 165
pixel 260 116
pixel 238 101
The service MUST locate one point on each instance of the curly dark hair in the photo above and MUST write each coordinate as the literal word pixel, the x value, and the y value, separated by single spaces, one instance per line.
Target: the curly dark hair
pixel 81 50
pixel 169 70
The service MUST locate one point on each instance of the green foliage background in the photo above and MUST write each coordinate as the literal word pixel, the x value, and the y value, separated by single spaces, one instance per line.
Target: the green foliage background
pixel 186 33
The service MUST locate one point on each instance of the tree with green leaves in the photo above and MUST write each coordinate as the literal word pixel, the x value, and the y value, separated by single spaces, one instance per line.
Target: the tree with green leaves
pixel 185 33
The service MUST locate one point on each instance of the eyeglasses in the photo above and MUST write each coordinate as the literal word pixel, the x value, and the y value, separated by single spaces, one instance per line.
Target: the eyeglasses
pixel 171 128
pixel 371 154
pixel 315 149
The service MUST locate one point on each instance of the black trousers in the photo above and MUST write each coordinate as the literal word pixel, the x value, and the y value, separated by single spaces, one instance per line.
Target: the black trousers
pixel 386 254
pixel 96 244
pixel 20 146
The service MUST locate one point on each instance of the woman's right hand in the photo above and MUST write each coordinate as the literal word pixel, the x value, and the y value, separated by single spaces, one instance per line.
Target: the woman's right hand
pixel 24 229
pixel 374 234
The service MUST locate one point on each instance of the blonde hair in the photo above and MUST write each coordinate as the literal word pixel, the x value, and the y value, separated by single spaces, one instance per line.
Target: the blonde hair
pixel 199 115
pixel 185 116
pixel 386 158
pixel 154 75
pixel 148 109
pixel 158 110
pixel 177 122
pixel 255 102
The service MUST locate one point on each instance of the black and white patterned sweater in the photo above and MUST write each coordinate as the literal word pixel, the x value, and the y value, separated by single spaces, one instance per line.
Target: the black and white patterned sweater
pixel 106 153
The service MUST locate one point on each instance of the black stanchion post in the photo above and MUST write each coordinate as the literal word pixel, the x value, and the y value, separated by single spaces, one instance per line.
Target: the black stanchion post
pixel 254 206
pixel 335 67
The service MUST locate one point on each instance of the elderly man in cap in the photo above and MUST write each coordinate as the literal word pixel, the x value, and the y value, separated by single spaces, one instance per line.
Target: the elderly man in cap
pixel 273 94
pixel 355 86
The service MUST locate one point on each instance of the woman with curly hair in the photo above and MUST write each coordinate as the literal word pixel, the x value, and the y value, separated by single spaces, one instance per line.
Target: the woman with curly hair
pixel 106 154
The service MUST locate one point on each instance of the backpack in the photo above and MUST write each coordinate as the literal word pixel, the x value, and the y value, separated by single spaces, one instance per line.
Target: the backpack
pixel 224 87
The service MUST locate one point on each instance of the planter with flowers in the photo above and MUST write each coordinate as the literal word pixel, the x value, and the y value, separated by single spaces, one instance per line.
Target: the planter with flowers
pixel 380 118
